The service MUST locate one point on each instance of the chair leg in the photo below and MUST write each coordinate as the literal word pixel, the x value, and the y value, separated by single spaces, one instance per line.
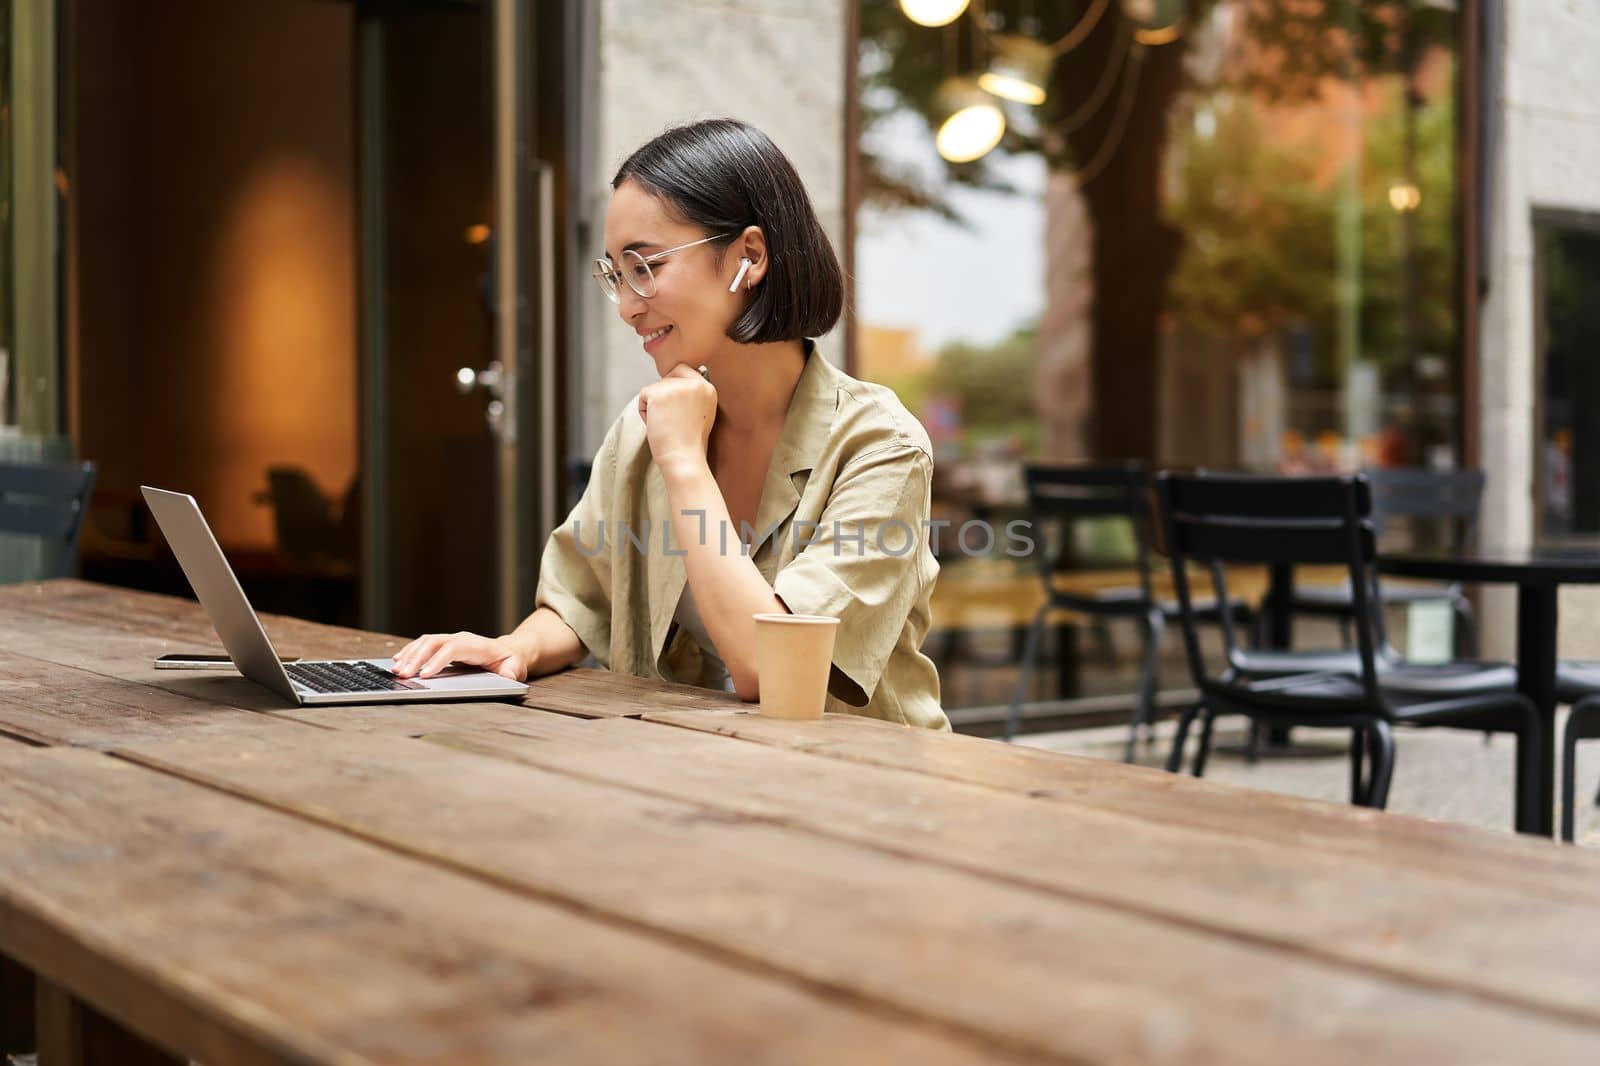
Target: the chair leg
pixel 1102 636
pixel 1175 758
pixel 1358 751
pixel 1258 640
pixel 1143 709
pixel 1380 743
pixel 1569 773
pixel 1207 717
pixel 1597 791
pixel 1030 649
pixel 1529 744
pixel 1469 625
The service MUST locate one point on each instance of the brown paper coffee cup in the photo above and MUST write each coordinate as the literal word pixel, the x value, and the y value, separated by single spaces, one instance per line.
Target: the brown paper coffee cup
pixel 794 653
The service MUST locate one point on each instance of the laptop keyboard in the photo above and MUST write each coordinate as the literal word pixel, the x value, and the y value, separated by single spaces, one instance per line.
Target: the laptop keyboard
pixel 347 677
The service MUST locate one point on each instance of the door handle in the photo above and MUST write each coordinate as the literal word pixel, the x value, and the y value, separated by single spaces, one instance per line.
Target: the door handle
pixel 488 378
pixel 492 381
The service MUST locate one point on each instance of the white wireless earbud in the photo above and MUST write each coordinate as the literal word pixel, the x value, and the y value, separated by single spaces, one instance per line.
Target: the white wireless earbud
pixel 744 268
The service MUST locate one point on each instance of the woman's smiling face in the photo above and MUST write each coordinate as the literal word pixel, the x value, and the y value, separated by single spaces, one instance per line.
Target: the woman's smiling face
pixel 688 317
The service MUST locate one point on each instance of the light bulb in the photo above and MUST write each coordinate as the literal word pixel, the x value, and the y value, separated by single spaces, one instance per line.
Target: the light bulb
pixel 933 12
pixel 1404 196
pixel 973 124
pixel 1020 70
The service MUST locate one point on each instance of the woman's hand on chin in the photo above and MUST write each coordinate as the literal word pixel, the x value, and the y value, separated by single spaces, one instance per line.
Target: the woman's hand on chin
pixel 678 412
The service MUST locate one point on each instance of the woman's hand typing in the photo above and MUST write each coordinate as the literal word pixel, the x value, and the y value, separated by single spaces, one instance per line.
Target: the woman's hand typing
pixel 432 652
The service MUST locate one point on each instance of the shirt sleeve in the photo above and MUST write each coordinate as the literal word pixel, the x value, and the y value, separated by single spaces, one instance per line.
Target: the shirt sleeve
pixel 575 568
pixel 867 563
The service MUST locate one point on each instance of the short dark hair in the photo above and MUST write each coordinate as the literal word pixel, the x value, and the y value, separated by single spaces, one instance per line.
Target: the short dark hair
pixel 725 175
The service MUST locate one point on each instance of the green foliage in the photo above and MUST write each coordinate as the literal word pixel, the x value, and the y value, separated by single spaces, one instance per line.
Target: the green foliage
pixel 995 386
pixel 1260 232
pixel 1262 227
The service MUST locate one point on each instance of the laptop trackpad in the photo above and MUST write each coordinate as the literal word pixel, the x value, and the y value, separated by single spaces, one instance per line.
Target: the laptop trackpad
pixel 453 678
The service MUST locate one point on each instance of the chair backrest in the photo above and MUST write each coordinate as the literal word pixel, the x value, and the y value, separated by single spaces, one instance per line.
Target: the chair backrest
pixel 1212 520
pixel 1062 496
pixel 1415 492
pixel 302 520
pixel 47 502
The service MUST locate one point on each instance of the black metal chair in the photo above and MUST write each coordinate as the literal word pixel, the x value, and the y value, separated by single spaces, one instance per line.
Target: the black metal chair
pixel 1413 493
pixel 1209 521
pixel 47 501
pixel 1451 496
pixel 1061 497
pixel 1578 684
pixel 302 521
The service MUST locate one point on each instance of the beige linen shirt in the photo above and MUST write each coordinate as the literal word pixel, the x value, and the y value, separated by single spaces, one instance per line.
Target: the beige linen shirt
pixel 840 531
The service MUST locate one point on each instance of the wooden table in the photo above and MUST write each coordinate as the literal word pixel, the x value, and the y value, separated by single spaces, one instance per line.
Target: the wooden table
pixel 623 871
pixel 1538 576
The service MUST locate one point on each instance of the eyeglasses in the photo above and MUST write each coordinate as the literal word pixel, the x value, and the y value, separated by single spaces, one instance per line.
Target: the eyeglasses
pixel 635 270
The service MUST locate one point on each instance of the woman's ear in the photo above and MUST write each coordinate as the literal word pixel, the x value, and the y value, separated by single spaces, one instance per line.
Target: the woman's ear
pixel 752 245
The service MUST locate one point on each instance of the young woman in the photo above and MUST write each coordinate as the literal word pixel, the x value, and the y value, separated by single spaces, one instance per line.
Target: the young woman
pixel 753 477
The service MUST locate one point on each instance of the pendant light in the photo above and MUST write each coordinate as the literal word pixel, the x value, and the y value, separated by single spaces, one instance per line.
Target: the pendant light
pixel 973 122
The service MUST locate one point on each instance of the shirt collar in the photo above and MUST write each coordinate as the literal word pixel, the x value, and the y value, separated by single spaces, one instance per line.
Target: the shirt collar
pixel 800 443
pixel 809 418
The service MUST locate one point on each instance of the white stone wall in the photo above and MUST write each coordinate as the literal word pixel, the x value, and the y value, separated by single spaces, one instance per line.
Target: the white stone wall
pixel 1548 156
pixel 777 64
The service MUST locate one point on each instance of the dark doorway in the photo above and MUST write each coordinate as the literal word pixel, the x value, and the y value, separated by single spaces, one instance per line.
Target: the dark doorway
pixel 427 202
pixel 1568 344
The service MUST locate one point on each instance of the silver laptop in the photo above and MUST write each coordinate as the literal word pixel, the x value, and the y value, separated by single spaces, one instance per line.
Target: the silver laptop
pixel 313 681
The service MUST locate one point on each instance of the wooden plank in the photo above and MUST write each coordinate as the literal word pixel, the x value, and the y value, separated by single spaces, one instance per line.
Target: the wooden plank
pixel 44 703
pixel 999 961
pixel 603 694
pixel 413 719
pixel 1410 923
pixel 118 630
pixel 242 935
pixel 1469 853
pixel 140 612
pixel 116 633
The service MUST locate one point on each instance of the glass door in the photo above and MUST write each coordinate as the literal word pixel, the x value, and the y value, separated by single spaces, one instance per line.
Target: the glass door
pixel 459 225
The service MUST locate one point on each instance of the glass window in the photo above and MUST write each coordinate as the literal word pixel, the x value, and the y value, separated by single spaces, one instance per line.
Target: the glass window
pixel 1227 236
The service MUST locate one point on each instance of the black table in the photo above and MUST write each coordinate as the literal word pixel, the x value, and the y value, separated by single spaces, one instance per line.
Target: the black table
pixel 1538 576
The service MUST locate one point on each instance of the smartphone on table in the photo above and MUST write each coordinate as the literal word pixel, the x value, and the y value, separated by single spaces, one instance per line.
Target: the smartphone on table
pixel 191 661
